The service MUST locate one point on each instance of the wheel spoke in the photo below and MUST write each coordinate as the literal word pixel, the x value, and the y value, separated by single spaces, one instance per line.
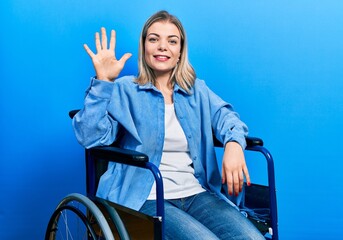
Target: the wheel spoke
pixel 71 222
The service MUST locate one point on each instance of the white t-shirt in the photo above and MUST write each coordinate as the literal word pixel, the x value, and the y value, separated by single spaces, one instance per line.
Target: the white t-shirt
pixel 176 165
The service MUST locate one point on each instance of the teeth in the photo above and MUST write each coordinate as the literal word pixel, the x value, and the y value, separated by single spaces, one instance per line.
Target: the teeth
pixel 162 57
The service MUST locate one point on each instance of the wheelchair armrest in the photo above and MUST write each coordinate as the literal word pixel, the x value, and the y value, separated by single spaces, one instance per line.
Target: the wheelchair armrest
pixel 73 112
pixel 115 154
pixel 251 142
pixel 119 155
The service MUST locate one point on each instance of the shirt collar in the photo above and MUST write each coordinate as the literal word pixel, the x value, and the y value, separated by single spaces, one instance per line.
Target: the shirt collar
pixel 149 86
pixel 178 88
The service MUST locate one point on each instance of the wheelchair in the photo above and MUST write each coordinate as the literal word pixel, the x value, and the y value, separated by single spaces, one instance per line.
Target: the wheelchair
pixel 89 217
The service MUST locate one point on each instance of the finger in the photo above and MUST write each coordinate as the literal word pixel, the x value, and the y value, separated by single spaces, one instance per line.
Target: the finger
pixel 97 42
pixel 229 183
pixel 90 53
pixel 103 38
pixel 113 41
pixel 125 57
pixel 236 183
pixel 246 174
pixel 241 181
pixel 223 175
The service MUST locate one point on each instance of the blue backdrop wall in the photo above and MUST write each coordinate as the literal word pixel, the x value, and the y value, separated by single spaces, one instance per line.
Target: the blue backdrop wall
pixel 278 62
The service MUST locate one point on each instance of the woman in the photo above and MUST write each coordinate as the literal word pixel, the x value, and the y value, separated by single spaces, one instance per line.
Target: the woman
pixel 169 114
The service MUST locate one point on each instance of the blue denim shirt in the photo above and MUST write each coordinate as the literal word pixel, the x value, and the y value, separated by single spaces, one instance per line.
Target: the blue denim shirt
pixel 133 115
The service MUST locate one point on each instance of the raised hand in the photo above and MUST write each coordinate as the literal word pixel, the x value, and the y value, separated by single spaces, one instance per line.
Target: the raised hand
pixel 105 63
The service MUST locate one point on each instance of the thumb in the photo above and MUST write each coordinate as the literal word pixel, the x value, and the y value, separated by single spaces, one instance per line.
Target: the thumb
pixel 125 57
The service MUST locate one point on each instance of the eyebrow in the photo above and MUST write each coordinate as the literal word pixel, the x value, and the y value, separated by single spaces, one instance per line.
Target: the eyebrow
pixel 170 36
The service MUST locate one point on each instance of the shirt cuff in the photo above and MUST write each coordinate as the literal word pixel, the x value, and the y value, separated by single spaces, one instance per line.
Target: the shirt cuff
pixel 240 140
pixel 99 88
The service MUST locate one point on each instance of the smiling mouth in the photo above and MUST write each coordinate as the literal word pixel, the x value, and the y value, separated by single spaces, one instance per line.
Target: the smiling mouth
pixel 161 57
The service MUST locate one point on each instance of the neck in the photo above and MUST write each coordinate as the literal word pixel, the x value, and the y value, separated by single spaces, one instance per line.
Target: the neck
pixel 163 82
pixel 165 86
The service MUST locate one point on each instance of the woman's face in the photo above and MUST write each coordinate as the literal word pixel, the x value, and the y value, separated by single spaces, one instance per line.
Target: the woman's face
pixel 162 47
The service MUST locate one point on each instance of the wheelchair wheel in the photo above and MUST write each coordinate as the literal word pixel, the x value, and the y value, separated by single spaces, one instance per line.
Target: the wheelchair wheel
pixel 113 217
pixel 77 217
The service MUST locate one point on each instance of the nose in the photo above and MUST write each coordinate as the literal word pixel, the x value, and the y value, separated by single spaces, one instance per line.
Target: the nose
pixel 162 45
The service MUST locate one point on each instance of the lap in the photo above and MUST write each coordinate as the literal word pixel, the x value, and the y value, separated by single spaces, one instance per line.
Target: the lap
pixel 203 216
pixel 222 218
pixel 179 224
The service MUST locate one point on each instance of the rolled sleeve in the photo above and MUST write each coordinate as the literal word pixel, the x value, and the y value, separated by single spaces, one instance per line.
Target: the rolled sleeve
pixel 101 89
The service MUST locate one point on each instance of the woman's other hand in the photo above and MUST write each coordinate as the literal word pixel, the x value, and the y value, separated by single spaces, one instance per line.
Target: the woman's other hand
pixel 234 168
pixel 106 65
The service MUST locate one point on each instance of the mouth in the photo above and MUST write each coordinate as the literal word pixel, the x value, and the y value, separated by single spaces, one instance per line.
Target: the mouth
pixel 161 57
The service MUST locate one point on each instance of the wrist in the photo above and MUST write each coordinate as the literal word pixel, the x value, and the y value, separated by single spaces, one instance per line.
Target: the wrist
pixel 101 78
pixel 233 144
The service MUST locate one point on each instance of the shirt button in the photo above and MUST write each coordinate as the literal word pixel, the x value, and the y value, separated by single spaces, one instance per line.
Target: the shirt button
pixel 195 158
pixel 189 136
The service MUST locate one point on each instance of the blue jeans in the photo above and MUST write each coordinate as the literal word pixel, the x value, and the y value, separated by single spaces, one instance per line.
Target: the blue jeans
pixel 203 216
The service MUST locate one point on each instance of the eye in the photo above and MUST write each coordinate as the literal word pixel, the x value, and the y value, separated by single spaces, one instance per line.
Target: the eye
pixel 173 41
pixel 152 39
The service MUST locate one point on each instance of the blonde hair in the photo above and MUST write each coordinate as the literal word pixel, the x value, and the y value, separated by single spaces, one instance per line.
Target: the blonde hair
pixel 183 73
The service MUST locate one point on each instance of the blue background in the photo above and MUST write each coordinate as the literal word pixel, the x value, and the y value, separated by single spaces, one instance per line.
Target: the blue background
pixel 278 62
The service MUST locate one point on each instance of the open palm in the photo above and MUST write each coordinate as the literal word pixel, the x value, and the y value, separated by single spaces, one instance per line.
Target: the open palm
pixel 106 65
